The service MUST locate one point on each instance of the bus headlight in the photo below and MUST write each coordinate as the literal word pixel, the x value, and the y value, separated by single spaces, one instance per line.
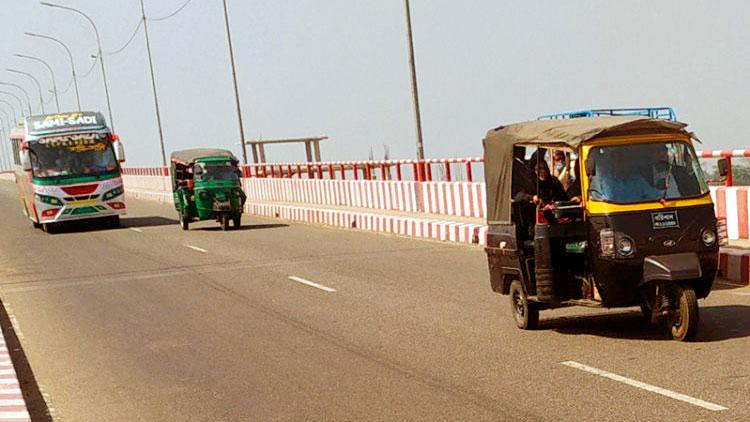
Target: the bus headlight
pixel 49 200
pixel 708 237
pixel 113 193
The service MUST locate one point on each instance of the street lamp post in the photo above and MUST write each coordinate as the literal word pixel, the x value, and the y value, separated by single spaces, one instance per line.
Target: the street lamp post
pixel 414 90
pixel 153 86
pixel 12 110
pixel 25 93
pixel 236 90
pixel 36 81
pixel 51 73
pixel 17 99
pixel 72 62
pixel 101 56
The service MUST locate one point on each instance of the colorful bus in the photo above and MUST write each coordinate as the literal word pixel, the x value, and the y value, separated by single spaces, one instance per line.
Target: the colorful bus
pixel 67 168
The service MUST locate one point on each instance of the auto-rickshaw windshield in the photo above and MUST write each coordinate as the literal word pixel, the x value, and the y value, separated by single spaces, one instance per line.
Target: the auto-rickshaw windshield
pixel 219 171
pixel 644 172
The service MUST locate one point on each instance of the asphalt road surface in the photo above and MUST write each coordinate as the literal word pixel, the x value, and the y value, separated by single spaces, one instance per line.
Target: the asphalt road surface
pixel 299 322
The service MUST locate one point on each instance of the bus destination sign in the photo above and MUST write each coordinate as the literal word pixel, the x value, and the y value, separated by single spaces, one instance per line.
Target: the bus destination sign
pixel 65 121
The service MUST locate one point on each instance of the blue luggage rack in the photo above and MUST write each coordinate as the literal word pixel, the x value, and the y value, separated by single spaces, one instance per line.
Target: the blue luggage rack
pixel 666 113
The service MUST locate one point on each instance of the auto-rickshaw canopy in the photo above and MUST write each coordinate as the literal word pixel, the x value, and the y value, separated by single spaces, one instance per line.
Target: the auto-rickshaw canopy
pixel 188 156
pixel 556 133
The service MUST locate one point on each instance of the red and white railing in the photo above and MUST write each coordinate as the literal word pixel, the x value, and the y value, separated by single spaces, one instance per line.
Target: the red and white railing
pixel 727 155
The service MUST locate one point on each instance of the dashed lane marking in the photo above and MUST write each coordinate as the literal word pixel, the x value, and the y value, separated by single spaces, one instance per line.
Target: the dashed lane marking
pixel 195 248
pixel 644 386
pixel 136 229
pixel 311 284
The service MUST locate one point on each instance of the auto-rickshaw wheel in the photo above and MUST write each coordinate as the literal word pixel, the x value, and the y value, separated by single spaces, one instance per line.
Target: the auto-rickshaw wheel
pixel 225 222
pixel 184 223
pixel 683 321
pixel 237 221
pixel 646 311
pixel 525 313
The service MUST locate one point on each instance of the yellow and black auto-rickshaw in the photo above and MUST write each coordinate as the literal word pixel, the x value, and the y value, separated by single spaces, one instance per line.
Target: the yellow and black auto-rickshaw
pixel 640 229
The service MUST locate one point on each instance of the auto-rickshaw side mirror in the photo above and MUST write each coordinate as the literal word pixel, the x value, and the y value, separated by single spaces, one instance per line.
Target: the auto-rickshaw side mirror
pixel 25 157
pixel 722 167
pixel 119 151
pixel 198 170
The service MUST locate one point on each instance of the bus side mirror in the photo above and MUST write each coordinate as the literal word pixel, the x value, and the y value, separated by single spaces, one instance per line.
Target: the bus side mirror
pixel 721 165
pixel 25 159
pixel 119 151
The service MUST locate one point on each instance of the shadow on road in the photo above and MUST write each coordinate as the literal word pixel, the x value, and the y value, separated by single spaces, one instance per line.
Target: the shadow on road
pixel 127 222
pixel 717 323
pixel 244 227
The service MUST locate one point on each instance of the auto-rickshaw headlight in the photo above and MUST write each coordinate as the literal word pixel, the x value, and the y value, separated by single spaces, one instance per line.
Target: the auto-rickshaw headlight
pixel 708 236
pixel 625 246
pixel 607 240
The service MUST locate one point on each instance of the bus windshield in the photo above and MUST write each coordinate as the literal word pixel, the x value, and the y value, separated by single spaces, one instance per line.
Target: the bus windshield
pixel 644 172
pixel 72 156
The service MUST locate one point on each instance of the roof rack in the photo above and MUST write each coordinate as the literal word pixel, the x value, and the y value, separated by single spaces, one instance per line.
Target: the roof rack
pixel 666 113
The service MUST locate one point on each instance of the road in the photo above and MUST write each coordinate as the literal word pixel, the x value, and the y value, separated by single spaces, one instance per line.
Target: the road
pixel 151 323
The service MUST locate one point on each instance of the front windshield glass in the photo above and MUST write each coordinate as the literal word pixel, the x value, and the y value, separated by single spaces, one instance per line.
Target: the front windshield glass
pixel 644 172
pixel 72 156
pixel 222 171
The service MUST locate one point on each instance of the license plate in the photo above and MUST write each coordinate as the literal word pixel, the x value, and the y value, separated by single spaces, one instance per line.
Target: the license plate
pixel 665 220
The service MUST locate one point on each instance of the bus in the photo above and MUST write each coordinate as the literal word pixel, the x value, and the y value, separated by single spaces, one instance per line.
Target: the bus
pixel 67 168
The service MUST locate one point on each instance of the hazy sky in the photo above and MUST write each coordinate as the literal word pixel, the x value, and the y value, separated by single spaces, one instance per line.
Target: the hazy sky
pixel 340 68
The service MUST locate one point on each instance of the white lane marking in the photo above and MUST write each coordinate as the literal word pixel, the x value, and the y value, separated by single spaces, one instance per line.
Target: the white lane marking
pixel 311 284
pixel 644 386
pixel 135 229
pixel 195 248
pixel 741 293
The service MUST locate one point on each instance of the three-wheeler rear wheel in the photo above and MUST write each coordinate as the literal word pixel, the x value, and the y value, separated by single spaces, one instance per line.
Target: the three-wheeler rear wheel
pixel 224 222
pixel 184 222
pixel 525 313
pixel 683 319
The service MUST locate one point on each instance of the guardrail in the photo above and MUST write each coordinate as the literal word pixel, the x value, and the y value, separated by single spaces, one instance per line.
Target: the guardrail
pixel 437 169
pixel 429 170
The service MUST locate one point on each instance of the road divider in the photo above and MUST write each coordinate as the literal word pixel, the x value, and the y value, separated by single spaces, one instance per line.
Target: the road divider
pixel 643 386
pixel 312 284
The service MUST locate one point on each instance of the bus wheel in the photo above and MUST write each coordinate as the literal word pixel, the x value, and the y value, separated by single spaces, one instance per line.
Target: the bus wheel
pixel 683 321
pixel 115 222
pixel 225 222
pixel 47 227
pixel 36 225
pixel 184 224
pixel 525 313
pixel 237 220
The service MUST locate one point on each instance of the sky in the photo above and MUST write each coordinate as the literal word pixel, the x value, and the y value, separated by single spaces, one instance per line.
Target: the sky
pixel 339 68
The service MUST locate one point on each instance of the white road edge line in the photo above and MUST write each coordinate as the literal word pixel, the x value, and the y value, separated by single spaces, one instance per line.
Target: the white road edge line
pixel 311 284
pixel 644 386
pixel 741 293
pixel 195 248
pixel 136 229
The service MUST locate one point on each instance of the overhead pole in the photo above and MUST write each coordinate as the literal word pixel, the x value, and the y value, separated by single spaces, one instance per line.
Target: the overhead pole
pixel 11 106
pixel 100 55
pixel 51 72
pixel 72 63
pixel 153 86
pixel 236 89
pixel 414 89
pixel 36 81
pixel 25 93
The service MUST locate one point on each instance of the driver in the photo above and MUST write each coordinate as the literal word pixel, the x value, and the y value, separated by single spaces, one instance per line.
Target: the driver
pixel 618 183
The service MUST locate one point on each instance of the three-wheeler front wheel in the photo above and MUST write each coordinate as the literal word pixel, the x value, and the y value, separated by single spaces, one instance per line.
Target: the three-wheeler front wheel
pixel 683 319
pixel 525 313
pixel 237 221
pixel 224 222
pixel 184 223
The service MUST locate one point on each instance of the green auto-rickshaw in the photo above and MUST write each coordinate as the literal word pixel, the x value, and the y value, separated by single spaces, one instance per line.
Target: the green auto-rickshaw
pixel 206 185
